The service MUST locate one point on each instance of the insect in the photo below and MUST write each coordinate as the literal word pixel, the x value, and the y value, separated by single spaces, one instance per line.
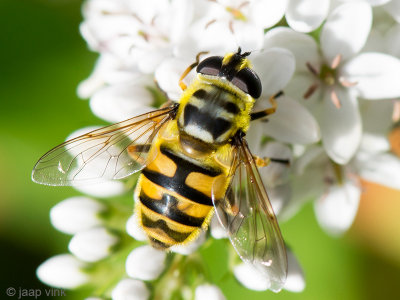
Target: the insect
pixel 194 162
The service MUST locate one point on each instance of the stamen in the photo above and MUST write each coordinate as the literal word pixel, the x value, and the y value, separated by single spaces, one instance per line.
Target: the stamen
pixel 243 4
pixel 396 111
pixel 311 90
pixel 335 99
pixel 344 82
pixel 336 61
pixel 209 23
pixel 144 35
pixel 311 68
pixel 231 26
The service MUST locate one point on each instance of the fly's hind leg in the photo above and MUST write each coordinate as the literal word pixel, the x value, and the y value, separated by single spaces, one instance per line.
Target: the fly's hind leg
pixel 190 68
pixel 136 152
pixel 269 111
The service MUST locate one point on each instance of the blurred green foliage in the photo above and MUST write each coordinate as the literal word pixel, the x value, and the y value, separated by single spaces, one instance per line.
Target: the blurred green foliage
pixel 42 60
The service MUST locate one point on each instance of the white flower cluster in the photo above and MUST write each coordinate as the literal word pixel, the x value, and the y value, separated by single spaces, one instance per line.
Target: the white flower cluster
pixel 337 62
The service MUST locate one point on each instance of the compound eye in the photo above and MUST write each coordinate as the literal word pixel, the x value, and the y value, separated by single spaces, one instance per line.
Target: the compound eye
pixel 248 81
pixel 210 66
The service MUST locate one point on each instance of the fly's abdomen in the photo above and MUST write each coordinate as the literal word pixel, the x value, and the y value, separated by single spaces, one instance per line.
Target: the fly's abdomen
pixel 174 198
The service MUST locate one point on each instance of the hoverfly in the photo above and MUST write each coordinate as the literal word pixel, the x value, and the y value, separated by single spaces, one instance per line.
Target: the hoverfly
pixel 194 161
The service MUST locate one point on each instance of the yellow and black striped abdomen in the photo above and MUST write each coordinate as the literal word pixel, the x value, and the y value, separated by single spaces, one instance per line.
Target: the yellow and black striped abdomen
pixel 174 196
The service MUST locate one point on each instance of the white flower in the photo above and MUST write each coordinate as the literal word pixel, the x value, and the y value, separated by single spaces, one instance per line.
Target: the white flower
pixel 76 214
pixel 216 229
pixel 119 102
pixel 252 279
pixel 135 230
pixel 306 15
pixel 240 23
pixel 295 281
pixel 209 292
pixel 63 271
pixel 337 77
pixel 375 159
pixel 141 35
pixel 145 263
pixel 93 244
pixel 337 209
pixel 130 289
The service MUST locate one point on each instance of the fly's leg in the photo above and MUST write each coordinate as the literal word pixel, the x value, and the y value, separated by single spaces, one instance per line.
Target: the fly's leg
pixel 269 111
pixel 190 68
pixel 265 161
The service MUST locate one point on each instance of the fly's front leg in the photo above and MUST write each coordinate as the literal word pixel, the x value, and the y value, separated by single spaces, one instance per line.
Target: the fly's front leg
pixel 190 68
pixel 269 111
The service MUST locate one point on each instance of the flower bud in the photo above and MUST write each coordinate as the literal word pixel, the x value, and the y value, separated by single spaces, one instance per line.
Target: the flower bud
pixel 295 279
pixel 145 263
pixel 93 244
pixel 62 271
pixel 134 230
pixel 76 214
pixel 130 289
pixel 209 292
pixel 251 278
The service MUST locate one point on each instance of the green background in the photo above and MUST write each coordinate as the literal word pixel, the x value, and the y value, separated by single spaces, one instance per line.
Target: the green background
pixel 42 60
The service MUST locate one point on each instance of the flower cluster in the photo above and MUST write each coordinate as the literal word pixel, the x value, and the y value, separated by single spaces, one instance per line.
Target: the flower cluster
pixel 338 63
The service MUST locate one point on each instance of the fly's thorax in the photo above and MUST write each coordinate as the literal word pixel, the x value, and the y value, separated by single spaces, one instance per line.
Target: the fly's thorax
pixel 212 110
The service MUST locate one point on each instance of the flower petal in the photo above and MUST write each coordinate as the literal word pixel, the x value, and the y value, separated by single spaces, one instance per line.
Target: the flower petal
pixel 373 143
pixel 337 209
pixel 63 271
pixel 377 75
pixel 93 244
pixel 130 289
pixel 209 292
pixel 383 169
pixel 303 46
pixel 168 74
pixel 251 278
pixel 267 13
pixel 120 102
pixel 145 263
pixel 276 173
pixel 346 30
pixel 371 2
pixel 292 123
pixel 76 214
pixel 341 127
pixel 306 15
pixel 275 67
pixel 295 281
pixel 135 230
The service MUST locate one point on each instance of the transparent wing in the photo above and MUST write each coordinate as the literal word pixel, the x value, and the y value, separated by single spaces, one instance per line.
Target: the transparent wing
pixel 112 152
pixel 246 214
